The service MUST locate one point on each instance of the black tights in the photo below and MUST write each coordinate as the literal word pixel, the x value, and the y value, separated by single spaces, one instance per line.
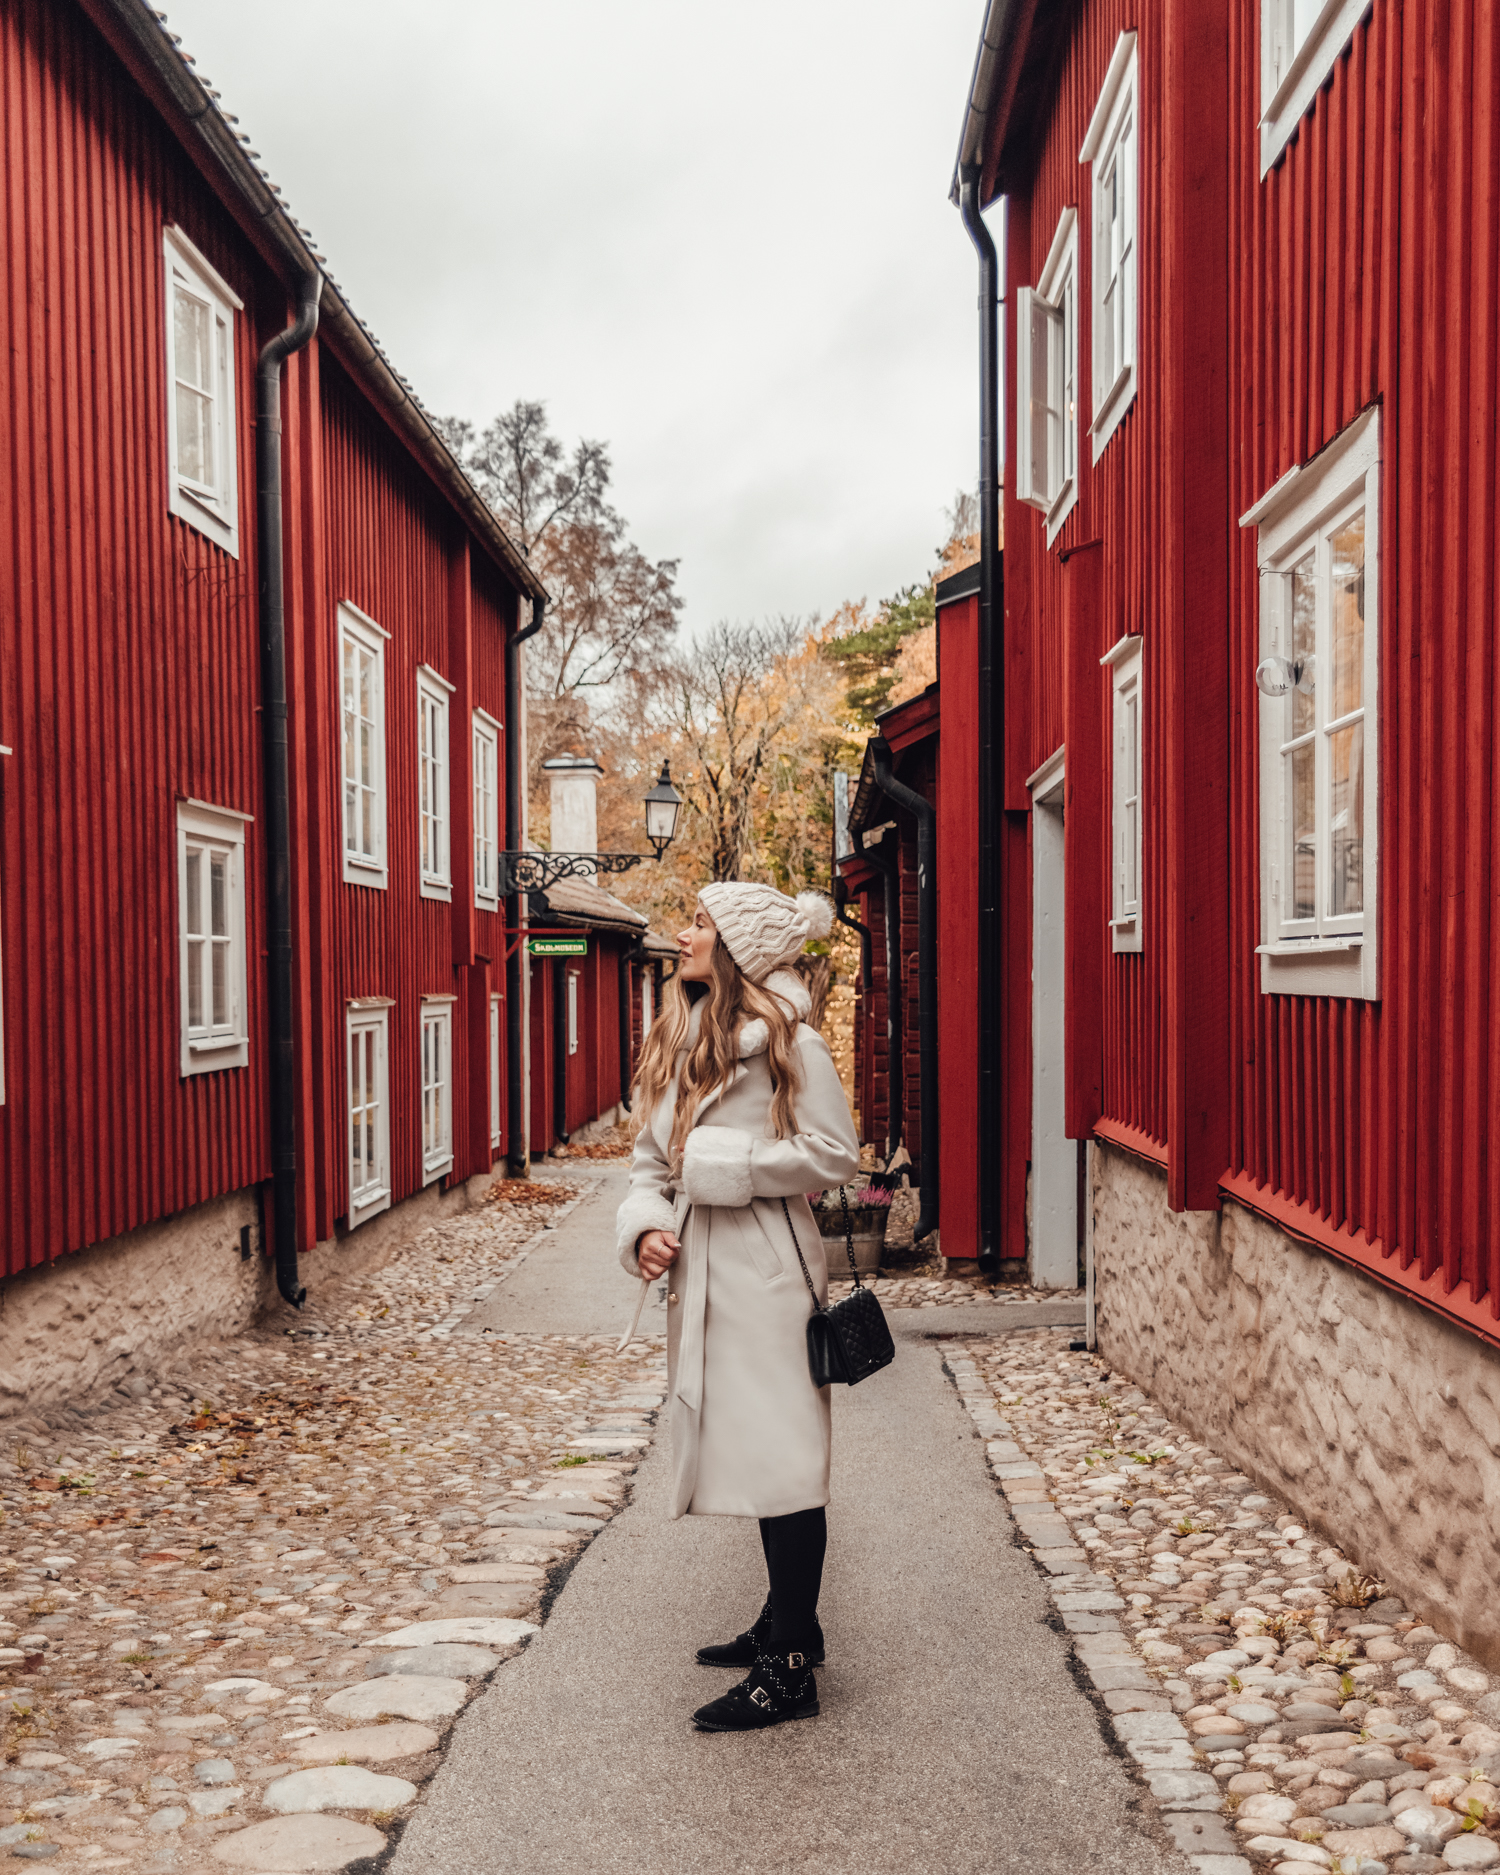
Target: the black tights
pixel 794 1547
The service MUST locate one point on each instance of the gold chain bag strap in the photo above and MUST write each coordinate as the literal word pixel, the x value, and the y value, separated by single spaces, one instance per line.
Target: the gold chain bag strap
pixel 852 1340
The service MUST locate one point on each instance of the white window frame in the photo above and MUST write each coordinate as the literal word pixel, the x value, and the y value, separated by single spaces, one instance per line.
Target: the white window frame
pixel 486 812
pixel 1326 955
pixel 212 506
pixel 1290 80
pixel 368 1017
pixel 1127 766
pixel 359 633
pixel 213 832
pixel 571 977
pixel 1047 349
pixel 435 1073
pixel 1112 149
pixel 434 824
pixel 497 1017
pixel 648 1012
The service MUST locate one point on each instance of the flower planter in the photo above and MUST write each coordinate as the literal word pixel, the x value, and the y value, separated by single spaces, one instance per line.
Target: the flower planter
pixel 869 1241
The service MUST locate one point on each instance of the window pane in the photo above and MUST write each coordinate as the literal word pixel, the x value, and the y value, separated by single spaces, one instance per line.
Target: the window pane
pixel 1348 620
pixel 1041 332
pixel 195 458
pixel 193 909
pixel 1346 877
pixel 218 870
pixel 195 983
pixel 1304 833
pixel 221 985
pixel 1301 15
pixel 1304 639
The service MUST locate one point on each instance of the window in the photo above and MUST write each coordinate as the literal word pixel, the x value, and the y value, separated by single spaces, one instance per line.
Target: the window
pixel 1047 382
pixel 497 1007
pixel 362 665
pixel 1124 660
pixel 647 986
pixel 437 1087
pixel 1319 724
pixel 211 937
pixel 1300 42
pixel 432 782
pixel 1112 146
pixel 201 479
pixel 369 1109
pixel 486 812
pixel 572 1012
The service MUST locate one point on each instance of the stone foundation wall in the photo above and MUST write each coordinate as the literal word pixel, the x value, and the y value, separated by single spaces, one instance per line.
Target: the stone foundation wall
pixel 1376 1418
pixel 73 1329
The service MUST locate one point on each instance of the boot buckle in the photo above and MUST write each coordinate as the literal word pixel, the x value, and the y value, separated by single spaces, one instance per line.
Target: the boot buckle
pixel 796 1661
pixel 760 1697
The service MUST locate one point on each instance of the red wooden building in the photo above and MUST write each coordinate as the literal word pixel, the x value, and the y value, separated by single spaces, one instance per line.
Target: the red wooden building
pixel 1244 809
pixel 197 1010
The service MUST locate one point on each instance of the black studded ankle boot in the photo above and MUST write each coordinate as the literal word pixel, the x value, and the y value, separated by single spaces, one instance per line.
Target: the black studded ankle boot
pixel 741 1653
pixel 777 1687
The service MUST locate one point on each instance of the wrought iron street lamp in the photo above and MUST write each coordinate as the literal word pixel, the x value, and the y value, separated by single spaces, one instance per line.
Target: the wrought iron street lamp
pixel 534 872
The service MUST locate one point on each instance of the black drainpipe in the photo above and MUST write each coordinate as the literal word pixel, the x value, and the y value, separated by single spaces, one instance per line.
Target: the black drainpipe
pixel 278 836
pixel 991 711
pixel 926 820
pixel 515 961
pixel 895 1014
pixel 637 954
pixel 840 900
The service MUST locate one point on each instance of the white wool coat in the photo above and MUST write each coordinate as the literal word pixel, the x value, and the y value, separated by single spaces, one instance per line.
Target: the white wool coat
pixel 750 1431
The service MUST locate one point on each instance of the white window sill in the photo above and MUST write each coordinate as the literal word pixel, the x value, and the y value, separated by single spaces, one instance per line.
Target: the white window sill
pixel 1125 934
pixel 1062 507
pixel 1310 947
pixel 481 903
pixel 436 888
pixel 367 1207
pixel 1325 966
pixel 1282 117
pixel 364 872
pixel 431 1173
pixel 209 1054
pixel 1112 409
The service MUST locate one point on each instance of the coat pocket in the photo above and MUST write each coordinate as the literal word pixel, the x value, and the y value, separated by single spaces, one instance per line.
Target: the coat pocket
pixel 765 1252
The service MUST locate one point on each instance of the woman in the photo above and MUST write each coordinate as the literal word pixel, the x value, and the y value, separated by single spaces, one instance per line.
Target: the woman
pixel 742 1113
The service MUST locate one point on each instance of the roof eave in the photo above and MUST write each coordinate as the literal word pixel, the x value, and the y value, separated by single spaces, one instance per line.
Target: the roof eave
pixel 147 33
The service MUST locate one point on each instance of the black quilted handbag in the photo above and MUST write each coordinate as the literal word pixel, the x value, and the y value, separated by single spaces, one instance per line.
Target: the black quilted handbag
pixel 850 1341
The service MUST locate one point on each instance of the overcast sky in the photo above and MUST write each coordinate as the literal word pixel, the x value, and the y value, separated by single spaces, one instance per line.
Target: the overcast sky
pixel 716 237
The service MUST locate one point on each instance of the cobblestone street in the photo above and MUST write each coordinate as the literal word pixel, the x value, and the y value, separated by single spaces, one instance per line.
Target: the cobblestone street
pixel 239 1613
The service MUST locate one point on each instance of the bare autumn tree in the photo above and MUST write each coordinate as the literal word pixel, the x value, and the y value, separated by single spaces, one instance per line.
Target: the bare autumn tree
pixel 613 610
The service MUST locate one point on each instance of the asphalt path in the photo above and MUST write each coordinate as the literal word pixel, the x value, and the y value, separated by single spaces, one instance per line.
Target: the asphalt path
pixel 952 1738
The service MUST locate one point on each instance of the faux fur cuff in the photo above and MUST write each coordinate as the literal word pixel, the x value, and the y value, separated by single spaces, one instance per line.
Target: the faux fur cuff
pixel 642 1211
pixel 716 1166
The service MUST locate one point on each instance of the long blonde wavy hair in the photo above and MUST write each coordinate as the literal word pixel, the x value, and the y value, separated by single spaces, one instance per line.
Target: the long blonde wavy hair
pixel 729 999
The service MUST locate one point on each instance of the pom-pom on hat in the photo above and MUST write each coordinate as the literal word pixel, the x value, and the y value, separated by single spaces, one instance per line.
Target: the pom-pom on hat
pixel 762 927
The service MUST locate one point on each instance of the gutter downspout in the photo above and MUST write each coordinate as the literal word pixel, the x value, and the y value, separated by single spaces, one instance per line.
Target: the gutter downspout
pixel 926 818
pixel 895 999
pixel 636 955
pixel 282 1066
pixel 991 713
pixel 515 1080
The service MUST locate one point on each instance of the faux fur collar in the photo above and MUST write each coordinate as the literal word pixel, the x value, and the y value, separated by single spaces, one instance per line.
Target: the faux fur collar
pixel 789 988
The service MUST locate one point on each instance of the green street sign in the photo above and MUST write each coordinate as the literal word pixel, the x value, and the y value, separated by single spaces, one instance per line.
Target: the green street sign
pixel 558 947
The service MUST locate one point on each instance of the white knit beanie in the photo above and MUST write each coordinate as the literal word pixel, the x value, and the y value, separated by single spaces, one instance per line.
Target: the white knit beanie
pixel 762 927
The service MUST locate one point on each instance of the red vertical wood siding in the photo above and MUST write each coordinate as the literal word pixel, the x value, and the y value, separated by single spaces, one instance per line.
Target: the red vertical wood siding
pixel 1120 505
pixel 1365 269
pixel 958 927
pixel 129 673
